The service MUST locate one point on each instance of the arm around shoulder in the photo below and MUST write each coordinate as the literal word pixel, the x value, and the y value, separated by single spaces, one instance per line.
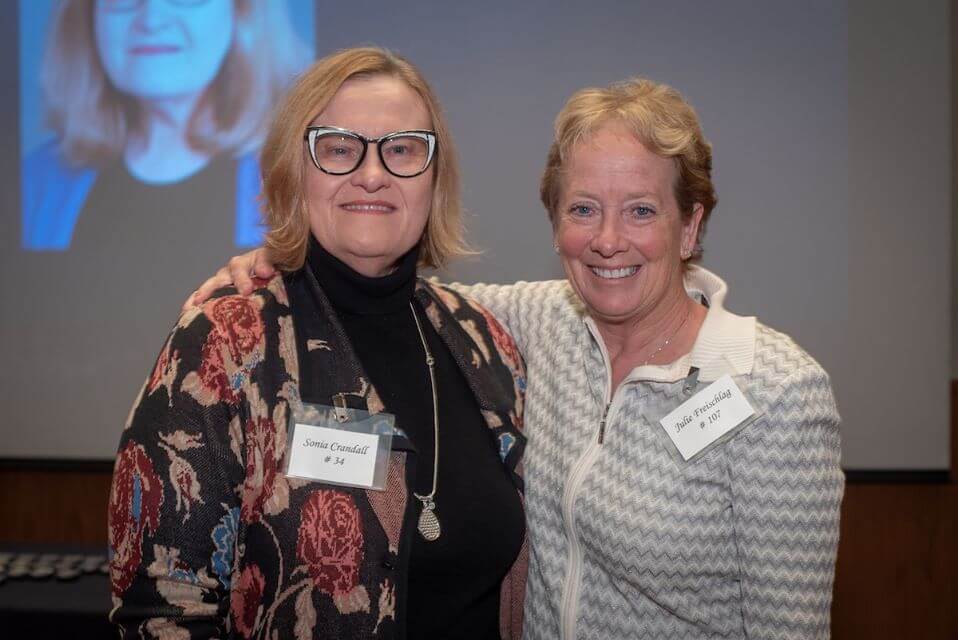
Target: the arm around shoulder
pixel 519 306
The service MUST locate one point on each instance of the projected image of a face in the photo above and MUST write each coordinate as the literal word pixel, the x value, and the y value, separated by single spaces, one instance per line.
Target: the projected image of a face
pixel 163 50
pixel 148 95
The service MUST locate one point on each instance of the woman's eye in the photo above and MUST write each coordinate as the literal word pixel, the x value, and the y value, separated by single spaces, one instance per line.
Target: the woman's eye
pixel 581 210
pixel 643 211
pixel 335 151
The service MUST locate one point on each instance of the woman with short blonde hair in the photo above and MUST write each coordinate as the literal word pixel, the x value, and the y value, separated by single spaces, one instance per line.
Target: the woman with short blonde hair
pixel 655 113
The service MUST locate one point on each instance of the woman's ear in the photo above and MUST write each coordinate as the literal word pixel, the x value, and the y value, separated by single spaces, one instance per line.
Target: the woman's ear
pixel 690 231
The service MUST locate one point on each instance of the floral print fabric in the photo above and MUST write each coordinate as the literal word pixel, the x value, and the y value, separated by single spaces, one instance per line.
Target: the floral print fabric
pixel 209 539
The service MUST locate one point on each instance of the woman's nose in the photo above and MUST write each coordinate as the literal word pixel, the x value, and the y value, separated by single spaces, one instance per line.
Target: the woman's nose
pixel 609 239
pixel 152 14
pixel 371 175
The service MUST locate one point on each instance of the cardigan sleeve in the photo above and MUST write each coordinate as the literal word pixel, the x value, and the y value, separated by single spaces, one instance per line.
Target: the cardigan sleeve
pixel 787 487
pixel 520 306
pixel 175 498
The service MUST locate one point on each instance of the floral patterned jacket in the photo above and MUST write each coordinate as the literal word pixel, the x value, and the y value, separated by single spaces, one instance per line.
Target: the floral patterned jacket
pixel 209 539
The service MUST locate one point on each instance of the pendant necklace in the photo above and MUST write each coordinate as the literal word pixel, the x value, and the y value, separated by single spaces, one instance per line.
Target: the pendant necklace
pixel 428 522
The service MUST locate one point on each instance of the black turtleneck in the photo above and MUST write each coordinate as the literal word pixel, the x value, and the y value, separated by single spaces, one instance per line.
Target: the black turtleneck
pixel 454 581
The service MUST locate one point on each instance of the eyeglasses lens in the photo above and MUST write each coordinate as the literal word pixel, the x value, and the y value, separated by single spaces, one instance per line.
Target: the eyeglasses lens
pixel 336 153
pixel 405 155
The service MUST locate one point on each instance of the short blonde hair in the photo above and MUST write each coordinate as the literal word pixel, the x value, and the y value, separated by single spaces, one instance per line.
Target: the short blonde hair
pixel 659 117
pixel 92 119
pixel 284 162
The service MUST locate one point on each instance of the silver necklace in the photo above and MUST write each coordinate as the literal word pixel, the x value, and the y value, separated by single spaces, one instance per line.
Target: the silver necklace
pixel 428 522
pixel 688 312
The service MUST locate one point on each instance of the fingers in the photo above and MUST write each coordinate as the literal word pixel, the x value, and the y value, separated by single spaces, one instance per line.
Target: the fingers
pixel 262 265
pixel 189 303
pixel 219 280
pixel 254 264
pixel 240 272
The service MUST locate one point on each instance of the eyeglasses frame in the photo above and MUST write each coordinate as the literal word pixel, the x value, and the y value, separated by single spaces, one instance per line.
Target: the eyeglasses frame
pixel 134 5
pixel 313 132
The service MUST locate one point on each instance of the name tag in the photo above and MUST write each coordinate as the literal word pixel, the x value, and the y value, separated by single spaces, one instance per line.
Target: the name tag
pixel 340 446
pixel 707 416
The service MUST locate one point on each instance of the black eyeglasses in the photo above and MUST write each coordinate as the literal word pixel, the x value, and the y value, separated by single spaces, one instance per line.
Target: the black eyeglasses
pixel 405 154
pixel 128 5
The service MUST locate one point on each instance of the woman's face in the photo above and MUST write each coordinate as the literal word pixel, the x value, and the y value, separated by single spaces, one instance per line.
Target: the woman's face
pixel 369 218
pixel 619 231
pixel 155 49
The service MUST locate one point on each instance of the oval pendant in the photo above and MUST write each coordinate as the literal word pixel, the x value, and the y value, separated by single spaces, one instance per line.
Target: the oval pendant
pixel 428 523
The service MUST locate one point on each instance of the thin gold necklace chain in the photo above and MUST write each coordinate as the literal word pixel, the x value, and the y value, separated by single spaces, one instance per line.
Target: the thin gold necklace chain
pixel 688 312
pixel 430 362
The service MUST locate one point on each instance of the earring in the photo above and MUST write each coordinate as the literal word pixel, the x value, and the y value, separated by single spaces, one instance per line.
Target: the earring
pixel 555 247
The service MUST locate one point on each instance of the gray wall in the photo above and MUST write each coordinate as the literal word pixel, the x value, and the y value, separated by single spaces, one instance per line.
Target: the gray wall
pixel 895 394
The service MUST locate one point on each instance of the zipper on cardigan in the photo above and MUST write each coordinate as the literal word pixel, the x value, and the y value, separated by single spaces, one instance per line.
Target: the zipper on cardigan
pixel 573 577
pixel 570 590
pixel 605 414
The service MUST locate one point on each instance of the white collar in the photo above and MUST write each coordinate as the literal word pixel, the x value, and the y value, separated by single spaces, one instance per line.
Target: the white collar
pixel 725 343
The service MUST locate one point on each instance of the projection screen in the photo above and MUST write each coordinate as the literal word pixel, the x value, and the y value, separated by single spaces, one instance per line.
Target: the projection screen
pixel 829 122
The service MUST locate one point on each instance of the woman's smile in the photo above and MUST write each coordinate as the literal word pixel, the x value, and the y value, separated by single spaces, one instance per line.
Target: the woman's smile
pixel 377 206
pixel 614 273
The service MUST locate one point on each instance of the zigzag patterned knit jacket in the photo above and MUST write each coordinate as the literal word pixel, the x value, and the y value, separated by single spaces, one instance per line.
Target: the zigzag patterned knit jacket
pixel 629 541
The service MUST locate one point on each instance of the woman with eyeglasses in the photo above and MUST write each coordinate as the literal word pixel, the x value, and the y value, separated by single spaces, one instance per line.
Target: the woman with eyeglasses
pixel 155 102
pixel 250 494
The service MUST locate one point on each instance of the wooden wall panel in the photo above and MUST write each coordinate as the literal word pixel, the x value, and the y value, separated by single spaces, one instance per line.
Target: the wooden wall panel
pixel 54 506
pixel 897 562
pixel 897 557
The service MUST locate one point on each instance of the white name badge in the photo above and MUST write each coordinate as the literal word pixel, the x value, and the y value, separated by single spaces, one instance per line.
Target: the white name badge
pixel 340 446
pixel 707 416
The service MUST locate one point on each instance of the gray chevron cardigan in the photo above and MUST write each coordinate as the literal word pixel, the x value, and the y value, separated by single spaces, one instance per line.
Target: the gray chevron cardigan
pixel 629 541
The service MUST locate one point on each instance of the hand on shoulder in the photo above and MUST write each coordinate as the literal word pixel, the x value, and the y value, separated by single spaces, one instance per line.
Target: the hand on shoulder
pixel 241 272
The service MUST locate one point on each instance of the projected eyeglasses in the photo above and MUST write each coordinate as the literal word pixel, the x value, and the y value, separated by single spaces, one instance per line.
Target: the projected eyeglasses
pixel 128 5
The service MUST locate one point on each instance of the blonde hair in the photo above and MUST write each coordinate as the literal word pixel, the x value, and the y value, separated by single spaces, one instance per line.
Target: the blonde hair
pixel 284 166
pixel 93 120
pixel 659 117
